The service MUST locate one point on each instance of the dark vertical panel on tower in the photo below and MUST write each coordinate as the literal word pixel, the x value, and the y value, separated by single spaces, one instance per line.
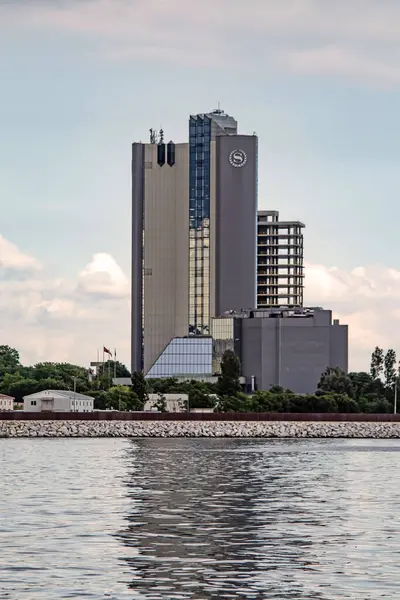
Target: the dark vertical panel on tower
pixel 236 222
pixel 161 154
pixel 137 256
pixel 171 154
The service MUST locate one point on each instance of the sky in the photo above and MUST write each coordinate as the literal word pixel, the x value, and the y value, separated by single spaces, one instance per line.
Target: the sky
pixel 318 81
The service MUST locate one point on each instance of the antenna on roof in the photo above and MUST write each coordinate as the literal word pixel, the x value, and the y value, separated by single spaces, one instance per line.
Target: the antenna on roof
pixel 153 136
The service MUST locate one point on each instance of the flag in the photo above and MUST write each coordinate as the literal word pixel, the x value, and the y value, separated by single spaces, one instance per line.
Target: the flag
pixel 106 351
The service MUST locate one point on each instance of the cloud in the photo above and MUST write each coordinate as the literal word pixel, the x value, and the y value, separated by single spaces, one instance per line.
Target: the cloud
pixel 366 298
pixel 67 320
pixel 103 277
pixel 338 61
pixel 64 320
pixel 11 258
pixel 358 39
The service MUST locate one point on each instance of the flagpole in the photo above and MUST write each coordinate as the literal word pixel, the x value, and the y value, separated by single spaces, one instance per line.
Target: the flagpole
pixel 102 369
pixel 115 363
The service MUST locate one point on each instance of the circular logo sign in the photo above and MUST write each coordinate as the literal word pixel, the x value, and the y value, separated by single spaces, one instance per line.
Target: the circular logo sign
pixel 238 158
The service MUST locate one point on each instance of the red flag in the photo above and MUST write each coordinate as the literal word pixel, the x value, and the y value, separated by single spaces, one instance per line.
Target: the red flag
pixel 106 351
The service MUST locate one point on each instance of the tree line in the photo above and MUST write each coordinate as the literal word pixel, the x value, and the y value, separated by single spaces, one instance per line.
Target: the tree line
pixel 337 391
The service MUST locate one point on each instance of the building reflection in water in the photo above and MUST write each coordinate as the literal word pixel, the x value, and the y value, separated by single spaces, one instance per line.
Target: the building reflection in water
pixel 219 519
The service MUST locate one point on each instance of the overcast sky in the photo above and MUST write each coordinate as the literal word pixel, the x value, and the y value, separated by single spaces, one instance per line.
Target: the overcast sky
pixel 317 80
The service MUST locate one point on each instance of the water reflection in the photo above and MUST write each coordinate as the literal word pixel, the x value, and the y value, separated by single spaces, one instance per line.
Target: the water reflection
pixel 245 519
pixel 199 519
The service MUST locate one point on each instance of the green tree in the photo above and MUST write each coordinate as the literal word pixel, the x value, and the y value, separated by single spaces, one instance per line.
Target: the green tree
pixel 139 386
pixel 9 360
pixel 111 368
pixel 163 386
pixel 363 383
pixel 377 361
pixel 390 368
pixel 237 403
pixel 228 382
pixel 122 398
pixel 69 376
pixel 101 399
pixel 14 385
pixel 160 404
pixel 199 398
pixel 335 380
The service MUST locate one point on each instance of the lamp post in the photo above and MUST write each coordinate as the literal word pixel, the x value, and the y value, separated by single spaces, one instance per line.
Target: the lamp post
pixel 75 408
pixel 395 397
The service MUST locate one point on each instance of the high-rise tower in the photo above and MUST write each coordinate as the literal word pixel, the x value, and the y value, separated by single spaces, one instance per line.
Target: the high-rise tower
pixel 194 219
pixel 280 271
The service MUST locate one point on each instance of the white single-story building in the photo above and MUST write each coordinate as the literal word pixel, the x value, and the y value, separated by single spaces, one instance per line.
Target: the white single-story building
pixel 58 401
pixel 6 402
pixel 173 402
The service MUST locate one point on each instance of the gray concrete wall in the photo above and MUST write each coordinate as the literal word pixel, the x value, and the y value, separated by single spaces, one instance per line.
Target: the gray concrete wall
pixel 292 353
pixel 236 225
pixel 340 347
pixel 137 255
pixel 166 251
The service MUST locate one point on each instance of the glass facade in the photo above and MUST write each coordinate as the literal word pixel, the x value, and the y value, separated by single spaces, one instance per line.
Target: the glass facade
pixel 223 339
pixel 199 224
pixel 184 356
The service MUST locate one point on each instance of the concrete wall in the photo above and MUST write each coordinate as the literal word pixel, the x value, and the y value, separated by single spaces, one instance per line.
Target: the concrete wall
pixel 137 255
pixel 160 216
pixel 236 224
pixel 292 353
pixel 166 251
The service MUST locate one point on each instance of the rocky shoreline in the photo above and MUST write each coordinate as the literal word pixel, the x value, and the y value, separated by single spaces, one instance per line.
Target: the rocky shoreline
pixel 194 429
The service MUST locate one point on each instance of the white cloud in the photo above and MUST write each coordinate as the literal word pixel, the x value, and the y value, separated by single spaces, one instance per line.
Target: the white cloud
pixel 63 320
pixel 334 60
pixel 104 277
pixel 12 258
pixel 357 39
pixel 366 298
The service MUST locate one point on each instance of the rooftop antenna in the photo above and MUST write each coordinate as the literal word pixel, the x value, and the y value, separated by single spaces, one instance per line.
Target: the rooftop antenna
pixel 153 136
pixel 161 136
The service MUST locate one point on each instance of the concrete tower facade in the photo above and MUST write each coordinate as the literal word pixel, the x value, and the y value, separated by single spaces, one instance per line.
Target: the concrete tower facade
pixel 280 270
pixel 194 219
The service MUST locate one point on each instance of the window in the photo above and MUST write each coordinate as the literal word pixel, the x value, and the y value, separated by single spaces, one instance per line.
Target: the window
pixel 33 402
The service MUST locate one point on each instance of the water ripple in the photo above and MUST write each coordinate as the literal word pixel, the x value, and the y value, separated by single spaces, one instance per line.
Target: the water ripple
pixel 199 519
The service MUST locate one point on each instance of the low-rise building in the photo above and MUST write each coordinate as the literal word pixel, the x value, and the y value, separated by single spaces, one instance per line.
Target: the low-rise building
pixel 281 346
pixel 6 402
pixel 58 401
pixel 285 347
pixel 172 402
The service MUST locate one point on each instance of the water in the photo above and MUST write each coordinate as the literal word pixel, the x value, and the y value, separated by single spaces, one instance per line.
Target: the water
pixel 199 519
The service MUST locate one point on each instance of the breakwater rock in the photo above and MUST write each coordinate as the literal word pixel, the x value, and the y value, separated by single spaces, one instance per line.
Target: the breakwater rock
pixel 259 429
